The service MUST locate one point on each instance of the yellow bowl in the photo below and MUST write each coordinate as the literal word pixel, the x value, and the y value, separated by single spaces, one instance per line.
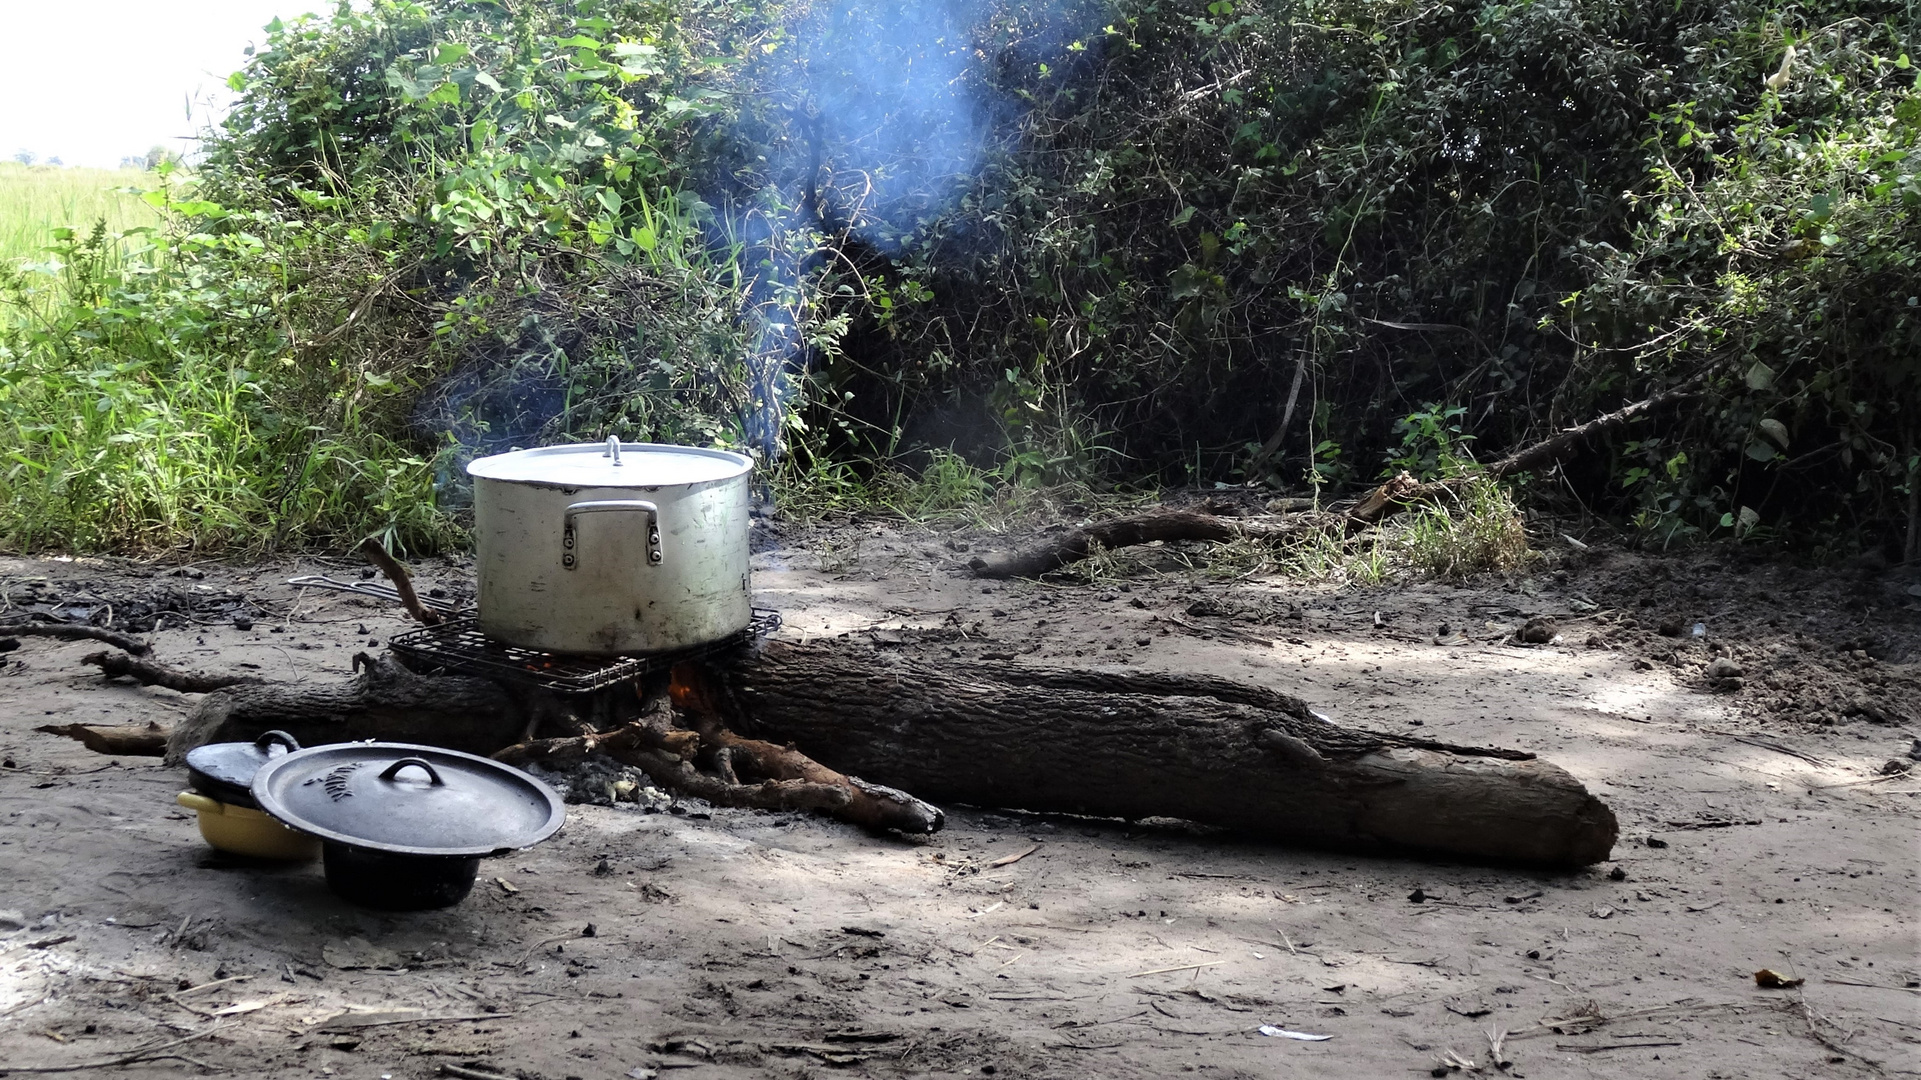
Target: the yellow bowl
pixel 243 830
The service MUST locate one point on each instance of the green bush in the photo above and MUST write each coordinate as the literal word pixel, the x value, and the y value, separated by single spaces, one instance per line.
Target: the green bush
pixel 1529 212
pixel 1082 241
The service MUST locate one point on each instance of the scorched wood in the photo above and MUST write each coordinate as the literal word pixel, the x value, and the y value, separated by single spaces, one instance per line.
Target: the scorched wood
pixel 384 701
pixel 1129 745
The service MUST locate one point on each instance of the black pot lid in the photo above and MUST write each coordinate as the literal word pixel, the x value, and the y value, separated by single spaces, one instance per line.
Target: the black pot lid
pixel 225 771
pixel 407 799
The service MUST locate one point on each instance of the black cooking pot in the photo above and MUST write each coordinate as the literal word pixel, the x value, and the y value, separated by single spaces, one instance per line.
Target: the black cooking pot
pixel 225 771
pixel 382 879
pixel 404 826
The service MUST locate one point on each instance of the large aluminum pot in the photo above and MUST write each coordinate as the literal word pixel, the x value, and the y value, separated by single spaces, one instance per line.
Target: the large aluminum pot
pixel 606 549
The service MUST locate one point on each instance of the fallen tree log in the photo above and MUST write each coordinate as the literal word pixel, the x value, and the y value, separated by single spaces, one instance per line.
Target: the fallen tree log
pixel 1121 744
pixel 384 701
pixel 1100 742
pixel 1078 544
pixel 387 701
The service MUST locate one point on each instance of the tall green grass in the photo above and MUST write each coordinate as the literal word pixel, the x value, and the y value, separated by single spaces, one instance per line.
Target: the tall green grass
pixel 150 400
pixel 36 199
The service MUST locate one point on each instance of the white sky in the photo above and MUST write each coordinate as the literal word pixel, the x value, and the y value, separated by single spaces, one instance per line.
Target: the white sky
pixel 92 81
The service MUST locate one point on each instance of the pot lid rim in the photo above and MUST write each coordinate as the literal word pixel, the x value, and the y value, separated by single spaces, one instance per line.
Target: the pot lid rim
pixel 271 805
pixel 219 790
pixel 525 466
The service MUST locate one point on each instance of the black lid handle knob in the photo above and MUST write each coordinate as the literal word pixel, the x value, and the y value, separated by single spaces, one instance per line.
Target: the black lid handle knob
pixel 280 738
pixel 406 761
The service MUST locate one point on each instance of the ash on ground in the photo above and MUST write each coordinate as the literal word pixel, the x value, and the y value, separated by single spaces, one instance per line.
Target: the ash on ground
pixel 602 781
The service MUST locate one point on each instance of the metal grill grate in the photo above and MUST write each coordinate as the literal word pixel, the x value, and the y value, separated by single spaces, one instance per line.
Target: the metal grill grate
pixel 458 646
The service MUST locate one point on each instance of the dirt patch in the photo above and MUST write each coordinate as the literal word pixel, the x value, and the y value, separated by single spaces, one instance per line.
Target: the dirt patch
pixel 1758 832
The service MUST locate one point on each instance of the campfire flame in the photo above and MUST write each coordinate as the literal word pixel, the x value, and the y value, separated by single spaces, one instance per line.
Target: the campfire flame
pixel 691 690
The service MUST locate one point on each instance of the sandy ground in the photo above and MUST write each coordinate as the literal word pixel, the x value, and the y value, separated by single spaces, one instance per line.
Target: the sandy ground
pixel 1757 831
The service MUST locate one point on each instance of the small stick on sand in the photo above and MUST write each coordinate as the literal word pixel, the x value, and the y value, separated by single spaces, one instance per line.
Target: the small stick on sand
pixel 1009 860
pixel 1181 967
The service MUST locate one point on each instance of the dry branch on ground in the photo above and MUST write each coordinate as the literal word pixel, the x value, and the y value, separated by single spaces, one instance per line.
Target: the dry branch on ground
pixel 1379 503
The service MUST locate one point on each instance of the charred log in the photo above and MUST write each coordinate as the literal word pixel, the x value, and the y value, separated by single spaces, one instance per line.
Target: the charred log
pixel 1106 743
pixel 1122 745
pixel 384 701
pixel 744 772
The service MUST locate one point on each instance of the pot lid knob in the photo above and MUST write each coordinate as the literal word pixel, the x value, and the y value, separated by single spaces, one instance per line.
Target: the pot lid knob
pixel 613 448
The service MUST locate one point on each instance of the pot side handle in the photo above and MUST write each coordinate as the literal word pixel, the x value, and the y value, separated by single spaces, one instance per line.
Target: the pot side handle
pixel 193 800
pixel 606 506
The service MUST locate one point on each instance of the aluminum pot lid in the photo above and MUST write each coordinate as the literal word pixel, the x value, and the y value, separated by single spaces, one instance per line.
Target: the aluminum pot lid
pixel 408 799
pixel 596 465
pixel 225 771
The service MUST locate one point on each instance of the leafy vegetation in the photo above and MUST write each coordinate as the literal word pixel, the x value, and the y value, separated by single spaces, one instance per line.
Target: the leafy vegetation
pixel 914 252
pixel 1528 213
pixel 149 399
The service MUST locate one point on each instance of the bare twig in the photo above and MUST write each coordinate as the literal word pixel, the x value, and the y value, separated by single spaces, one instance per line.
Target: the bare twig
pixel 1592 1016
pixel 338 1025
pixel 1859 783
pixel 1872 986
pixel 1769 744
pixel 149 673
pixel 1224 631
pixel 1814 1021
pixel 209 985
pixel 1565 444
pixel 403 585
pixel 76 632
pixel 1273 444
pixel 544 942
pixel 1178 967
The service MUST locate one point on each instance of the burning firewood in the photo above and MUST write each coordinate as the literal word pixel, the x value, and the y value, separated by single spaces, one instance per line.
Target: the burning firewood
pixel 744 772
